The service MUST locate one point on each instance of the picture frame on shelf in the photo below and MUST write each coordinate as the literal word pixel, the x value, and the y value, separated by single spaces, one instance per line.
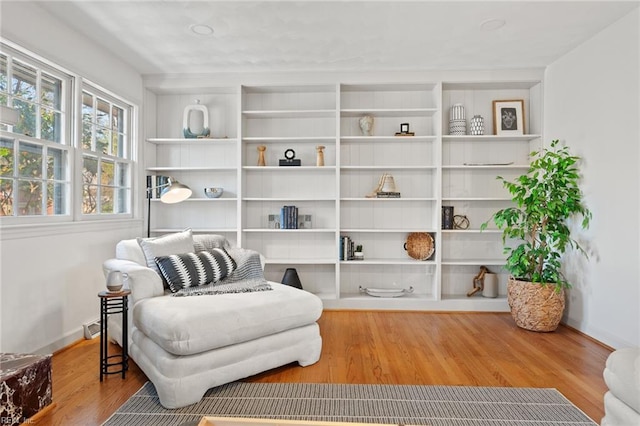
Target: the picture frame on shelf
pixel 508 117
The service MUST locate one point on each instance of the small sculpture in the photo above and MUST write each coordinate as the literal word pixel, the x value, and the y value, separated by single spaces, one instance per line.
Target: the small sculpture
pixel 261 150
pixel 320 156
pixel 366 125
pixel 186 121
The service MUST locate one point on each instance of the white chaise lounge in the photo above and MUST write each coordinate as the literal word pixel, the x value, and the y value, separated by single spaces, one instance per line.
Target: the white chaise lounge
pixel 186 345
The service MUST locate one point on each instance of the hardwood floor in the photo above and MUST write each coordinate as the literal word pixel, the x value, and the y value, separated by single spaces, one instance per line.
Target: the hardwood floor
pixel 477 349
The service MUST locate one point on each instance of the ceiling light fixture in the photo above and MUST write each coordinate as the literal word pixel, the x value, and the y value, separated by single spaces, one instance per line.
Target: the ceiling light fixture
pixel 492 24
pixel 201 29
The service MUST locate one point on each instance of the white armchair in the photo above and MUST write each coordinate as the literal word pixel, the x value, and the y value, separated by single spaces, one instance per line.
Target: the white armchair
pixel 186 345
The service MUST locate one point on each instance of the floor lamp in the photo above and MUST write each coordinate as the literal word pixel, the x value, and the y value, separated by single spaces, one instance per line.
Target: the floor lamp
pixel 173 192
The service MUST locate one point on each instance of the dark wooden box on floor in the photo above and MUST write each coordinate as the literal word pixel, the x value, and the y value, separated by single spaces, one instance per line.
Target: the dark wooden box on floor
pixel 25 386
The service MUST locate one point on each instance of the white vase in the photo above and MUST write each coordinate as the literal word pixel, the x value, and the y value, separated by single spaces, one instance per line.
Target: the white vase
pixel 457 120
pixel 490 288
pixel 476 125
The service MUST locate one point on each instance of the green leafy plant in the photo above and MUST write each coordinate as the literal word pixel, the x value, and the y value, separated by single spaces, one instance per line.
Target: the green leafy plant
pixel 545 198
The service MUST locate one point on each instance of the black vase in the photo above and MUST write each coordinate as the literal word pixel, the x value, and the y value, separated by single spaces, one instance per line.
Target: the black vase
pixel 291 278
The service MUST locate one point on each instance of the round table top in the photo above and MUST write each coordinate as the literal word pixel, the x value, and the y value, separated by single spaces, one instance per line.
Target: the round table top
pixel 120 293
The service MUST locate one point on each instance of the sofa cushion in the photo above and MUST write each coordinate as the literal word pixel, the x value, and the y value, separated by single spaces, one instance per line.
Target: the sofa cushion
pixel 195 269
pixel 190 325
pixel 622 376
pixel 178 243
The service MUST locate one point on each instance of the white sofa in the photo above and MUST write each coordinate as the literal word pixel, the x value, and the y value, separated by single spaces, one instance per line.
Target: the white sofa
pixel 622 400
pixel 186 345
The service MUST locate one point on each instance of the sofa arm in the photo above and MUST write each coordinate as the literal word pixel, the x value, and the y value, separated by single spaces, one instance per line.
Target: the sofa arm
pixel 142 281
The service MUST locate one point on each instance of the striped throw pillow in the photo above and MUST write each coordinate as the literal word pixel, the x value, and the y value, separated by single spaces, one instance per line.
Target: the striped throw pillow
pixel 195 269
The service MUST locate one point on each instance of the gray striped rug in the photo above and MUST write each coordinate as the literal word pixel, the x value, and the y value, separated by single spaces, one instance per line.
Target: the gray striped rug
pixel 391 404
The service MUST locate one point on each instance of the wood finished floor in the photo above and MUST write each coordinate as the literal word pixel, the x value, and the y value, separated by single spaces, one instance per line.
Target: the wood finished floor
pixel 475 349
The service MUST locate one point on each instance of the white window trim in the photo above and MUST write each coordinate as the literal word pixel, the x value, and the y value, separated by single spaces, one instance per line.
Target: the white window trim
pixel 16 226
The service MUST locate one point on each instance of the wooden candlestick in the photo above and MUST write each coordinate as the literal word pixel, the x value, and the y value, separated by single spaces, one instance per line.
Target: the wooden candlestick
pixel 320 157
pixel 261 150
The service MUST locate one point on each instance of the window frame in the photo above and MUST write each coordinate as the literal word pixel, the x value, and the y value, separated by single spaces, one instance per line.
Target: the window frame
pixel 129 157
pixel 71 143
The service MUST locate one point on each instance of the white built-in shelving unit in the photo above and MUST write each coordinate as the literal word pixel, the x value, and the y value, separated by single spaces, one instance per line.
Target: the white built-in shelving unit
pixel 431 169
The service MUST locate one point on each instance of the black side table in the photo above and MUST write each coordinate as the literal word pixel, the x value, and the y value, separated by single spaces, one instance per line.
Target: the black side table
pixel 113 303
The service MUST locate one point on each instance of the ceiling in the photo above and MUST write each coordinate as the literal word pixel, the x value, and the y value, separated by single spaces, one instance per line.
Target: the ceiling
pixel 155 36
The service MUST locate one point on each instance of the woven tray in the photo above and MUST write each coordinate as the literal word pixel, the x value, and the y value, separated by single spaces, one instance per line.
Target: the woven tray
pixel 419 245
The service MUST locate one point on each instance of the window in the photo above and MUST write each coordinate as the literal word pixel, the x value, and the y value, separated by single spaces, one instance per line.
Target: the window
pixel 46 174
pixel 106 159
pixel 34 152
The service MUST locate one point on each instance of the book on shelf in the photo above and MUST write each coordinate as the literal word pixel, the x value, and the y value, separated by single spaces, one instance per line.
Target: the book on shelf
pixel 161 183
pixel 387 194
pixel 447 217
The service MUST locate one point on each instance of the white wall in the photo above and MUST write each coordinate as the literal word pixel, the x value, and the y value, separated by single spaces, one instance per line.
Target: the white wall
pixel 591 103
pixel 50 275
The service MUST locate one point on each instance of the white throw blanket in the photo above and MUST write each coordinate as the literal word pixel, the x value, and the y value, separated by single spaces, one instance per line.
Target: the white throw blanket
pixel 247 277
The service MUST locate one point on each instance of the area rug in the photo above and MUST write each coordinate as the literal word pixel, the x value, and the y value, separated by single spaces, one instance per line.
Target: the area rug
pixel 390 404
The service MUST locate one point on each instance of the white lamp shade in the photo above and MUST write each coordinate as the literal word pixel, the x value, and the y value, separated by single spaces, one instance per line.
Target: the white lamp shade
pixel 8 115
pixel 175 192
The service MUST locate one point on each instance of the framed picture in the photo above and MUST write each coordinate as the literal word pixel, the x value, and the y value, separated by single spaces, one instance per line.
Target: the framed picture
pixel 508 117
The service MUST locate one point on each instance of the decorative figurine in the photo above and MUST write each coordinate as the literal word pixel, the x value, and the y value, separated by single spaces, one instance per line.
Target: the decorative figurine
pixel 366 125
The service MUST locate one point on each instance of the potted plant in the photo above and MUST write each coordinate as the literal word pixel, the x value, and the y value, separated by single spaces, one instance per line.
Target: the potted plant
pixel 545 198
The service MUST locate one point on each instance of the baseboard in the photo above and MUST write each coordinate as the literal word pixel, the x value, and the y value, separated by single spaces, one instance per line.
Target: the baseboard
pixel 62 343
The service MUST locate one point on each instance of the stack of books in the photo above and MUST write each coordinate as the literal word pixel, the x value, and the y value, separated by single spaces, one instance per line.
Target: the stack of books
pixel 347 248
pixel 387 194
pixel 289 217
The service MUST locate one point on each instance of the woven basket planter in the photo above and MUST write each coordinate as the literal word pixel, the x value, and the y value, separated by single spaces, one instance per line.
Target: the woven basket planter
pixel 534 306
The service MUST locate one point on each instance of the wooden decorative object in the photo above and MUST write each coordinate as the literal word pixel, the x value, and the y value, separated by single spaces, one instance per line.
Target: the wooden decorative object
pixel 261 150
pixel 320 156
pixel 478 281
pixel 534 306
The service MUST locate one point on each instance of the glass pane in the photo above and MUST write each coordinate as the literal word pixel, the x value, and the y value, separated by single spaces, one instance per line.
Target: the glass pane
pixel 117 117
pixel 87 107
pixel 50 123
pixel 3 74
pixel 89 199
pixel 103 113
pixel 86 135
pixel 122 177
pixel 106 200
pixel 51 89
pixel 123 200
pixel 27 121
pixel 108 169
pixel 23 82
pixel 6 157
pixel 89 171
pixel 29 197
pixel 56 198
pixel 115 144
pixel 29 160
pixel 102 140
pixel 57 160
pixel 6 197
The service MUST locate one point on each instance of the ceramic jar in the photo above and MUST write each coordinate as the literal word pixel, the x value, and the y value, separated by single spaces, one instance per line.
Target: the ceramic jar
pixel 457 120
pixel 476 125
